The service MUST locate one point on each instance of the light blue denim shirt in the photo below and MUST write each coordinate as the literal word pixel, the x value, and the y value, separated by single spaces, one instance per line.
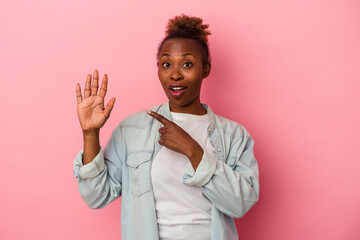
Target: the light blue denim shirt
pixel 230 181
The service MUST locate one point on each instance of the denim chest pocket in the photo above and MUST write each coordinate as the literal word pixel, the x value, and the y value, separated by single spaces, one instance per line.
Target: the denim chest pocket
pixel 139 172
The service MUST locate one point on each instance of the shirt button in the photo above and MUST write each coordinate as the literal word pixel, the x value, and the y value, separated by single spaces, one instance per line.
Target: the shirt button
pixel 136 164
pixel 209 129
pixel 219 149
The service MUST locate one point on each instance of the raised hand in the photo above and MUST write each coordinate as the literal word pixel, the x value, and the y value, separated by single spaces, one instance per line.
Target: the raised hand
pixel 177 139
pixel 91 111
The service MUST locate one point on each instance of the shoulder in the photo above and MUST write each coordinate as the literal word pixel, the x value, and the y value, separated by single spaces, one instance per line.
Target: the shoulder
pixel 232 128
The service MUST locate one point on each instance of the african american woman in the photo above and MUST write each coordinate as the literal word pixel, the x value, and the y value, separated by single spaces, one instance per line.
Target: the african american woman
pixel 182 171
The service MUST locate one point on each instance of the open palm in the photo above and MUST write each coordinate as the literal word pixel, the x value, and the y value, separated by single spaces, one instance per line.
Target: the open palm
pixel 91 111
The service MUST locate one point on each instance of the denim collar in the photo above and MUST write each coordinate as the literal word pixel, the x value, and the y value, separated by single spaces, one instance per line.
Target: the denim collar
pixel 165 111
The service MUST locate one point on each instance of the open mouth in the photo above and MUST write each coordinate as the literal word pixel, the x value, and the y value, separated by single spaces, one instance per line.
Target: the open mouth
pixel 177 90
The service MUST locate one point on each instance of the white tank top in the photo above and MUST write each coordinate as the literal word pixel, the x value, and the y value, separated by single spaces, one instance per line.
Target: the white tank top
pixel 183 212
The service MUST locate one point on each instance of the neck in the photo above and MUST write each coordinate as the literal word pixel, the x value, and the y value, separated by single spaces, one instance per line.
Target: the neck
pixel 195 108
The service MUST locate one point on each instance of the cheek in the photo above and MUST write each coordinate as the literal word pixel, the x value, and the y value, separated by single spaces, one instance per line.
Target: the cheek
pixel 196 78
pixel 161 78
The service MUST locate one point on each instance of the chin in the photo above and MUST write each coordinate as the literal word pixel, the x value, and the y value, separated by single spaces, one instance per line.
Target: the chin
pixel 182 101
pixel 179 103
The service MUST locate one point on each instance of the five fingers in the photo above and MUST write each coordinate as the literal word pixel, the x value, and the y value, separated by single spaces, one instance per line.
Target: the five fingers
pixel 91 88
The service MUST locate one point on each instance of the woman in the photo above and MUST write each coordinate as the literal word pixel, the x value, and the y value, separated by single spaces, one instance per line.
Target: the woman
pixel 182 171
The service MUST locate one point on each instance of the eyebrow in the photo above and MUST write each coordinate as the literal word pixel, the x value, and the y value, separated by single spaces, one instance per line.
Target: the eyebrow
pixel 183 55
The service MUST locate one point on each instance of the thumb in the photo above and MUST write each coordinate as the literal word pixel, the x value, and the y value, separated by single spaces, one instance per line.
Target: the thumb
pixel 109 107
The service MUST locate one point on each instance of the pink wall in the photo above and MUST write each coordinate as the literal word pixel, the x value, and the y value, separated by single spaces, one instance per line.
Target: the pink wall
pixel 287 70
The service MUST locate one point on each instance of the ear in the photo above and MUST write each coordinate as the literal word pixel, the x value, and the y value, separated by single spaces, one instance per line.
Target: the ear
pixel 207 70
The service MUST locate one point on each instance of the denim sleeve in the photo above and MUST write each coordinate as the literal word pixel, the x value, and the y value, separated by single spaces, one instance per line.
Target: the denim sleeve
pixel 232 186
pixel 100 181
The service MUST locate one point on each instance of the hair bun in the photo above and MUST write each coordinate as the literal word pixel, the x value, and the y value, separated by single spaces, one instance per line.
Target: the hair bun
pixel 187 25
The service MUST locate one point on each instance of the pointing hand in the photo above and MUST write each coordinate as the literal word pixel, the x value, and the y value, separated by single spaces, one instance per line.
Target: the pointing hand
pixel 177 139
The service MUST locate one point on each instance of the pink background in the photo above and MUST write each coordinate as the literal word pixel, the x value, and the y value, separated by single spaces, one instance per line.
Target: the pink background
pixel 286 70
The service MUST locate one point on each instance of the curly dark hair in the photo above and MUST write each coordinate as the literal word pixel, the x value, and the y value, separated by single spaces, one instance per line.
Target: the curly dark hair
pixel 183 26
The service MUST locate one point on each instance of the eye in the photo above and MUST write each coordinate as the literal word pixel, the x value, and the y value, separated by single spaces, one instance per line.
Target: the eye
pixel 187 64
pixel 166 64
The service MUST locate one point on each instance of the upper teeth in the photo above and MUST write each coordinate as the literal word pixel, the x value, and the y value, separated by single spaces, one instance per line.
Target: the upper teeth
pixel 177 88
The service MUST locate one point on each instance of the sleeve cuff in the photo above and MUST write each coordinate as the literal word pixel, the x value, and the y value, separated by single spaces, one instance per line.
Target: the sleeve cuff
pixel 91 169
pixel 203 173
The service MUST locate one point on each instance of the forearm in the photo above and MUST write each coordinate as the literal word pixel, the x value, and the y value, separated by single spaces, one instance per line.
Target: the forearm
pixel 91 145
pixel 232 192
pixel 100 181
pixel 233 188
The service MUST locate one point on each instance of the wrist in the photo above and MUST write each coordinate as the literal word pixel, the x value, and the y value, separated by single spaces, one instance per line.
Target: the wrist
pixel 195 155
pixel 91 133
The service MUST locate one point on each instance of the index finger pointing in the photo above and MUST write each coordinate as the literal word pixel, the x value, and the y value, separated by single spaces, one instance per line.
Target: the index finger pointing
pixel 158 117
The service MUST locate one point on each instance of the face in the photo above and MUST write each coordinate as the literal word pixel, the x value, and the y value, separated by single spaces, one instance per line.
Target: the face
pixel 181 72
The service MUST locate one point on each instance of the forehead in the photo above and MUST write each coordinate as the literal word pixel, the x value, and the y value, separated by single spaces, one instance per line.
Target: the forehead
pixel 179 46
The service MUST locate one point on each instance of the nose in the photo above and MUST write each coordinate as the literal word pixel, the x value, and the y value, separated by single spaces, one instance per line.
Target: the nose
pixel 176 74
